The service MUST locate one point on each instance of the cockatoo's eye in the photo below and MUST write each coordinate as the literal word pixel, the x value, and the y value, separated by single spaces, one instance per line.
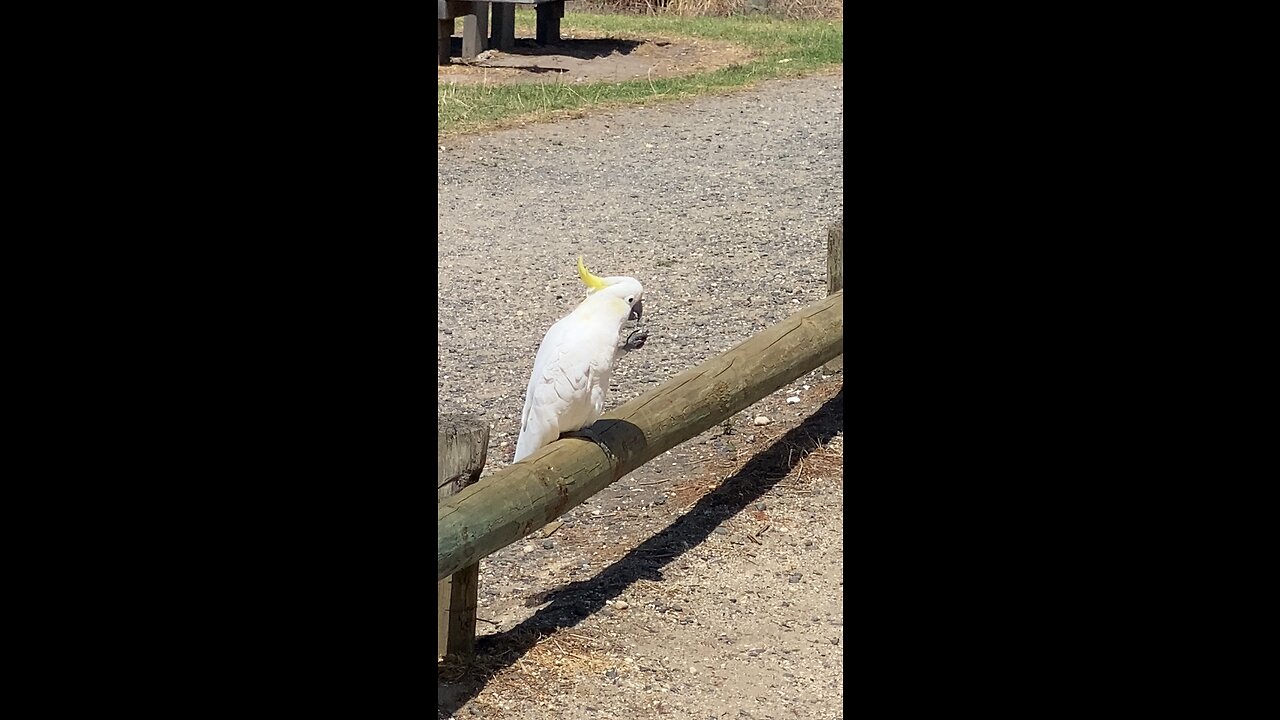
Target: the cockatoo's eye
pixel 630 300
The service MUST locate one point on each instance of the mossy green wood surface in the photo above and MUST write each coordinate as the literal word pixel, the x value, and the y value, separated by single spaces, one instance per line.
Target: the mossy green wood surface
pixel 519 499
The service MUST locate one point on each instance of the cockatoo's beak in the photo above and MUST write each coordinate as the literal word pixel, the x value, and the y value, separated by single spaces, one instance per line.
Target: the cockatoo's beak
pixel 637 310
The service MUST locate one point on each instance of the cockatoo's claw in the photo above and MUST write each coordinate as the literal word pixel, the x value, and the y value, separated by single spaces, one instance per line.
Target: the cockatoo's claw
pixel 636 339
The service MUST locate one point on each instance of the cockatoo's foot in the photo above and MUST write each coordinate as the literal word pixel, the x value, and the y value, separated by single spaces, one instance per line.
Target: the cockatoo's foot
pixel 587 434
pixel 636 339
pixel 583 434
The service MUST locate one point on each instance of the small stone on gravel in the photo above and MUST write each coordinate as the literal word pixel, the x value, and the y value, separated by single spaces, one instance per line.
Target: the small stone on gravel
pixel 761 420
pixel 548 544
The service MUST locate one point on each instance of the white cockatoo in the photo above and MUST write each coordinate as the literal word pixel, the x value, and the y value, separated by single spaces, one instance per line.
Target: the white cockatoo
pixel 571 373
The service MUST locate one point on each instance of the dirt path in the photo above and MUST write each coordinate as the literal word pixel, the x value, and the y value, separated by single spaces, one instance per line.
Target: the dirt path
pixel 709 583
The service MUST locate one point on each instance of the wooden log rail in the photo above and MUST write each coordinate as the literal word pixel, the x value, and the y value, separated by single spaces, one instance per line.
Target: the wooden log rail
pixel 517 500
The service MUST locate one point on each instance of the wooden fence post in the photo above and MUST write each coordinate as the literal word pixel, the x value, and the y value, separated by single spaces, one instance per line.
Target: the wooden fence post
pixel 463 444
pixel 835 274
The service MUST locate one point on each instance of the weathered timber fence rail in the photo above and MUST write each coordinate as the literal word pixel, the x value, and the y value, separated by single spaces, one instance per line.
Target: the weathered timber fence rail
pixel 517 500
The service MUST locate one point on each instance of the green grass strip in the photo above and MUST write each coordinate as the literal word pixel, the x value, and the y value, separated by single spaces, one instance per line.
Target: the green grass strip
pixel 804 46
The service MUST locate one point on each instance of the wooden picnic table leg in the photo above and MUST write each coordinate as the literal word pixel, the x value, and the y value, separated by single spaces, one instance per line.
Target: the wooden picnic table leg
pixel 503 30
pixel 444 35
pixel 549 22
pixel 475 29
pixel 540 36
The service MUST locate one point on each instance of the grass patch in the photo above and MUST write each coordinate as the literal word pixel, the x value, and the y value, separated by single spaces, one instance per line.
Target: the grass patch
pixel 805 45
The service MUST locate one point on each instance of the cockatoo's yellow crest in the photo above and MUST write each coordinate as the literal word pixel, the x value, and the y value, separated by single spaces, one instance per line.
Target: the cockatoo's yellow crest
pixel 591 281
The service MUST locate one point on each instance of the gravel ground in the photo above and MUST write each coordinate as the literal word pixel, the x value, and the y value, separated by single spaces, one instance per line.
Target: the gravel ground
pixel 720 207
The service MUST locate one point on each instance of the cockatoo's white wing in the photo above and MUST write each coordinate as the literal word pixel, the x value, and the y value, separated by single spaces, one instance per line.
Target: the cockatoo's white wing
pixel 559 397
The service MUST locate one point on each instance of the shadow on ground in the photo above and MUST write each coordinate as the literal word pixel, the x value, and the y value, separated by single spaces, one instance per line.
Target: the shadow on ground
pixel 574 602
pixel 586 49
pixel 581 49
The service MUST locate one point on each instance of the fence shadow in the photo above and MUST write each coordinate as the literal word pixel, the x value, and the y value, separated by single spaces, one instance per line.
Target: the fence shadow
pixel 572 603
